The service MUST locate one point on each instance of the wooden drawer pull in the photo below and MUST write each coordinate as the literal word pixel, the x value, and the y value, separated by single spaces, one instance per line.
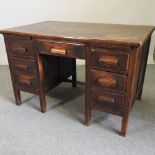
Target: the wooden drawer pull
pixel 22 67
pixel 106 99
pixel 27 83
pixel 108 60
pixel 20 50
pixel 106 82
pixel 58 51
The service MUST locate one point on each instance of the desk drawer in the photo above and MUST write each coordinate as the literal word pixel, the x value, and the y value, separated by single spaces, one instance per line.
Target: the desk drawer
pixel 20 47
pixel 73 50
pixel 24 65
pixel 101 79
pixel 109 60
pixel 104 99
pixel 25 81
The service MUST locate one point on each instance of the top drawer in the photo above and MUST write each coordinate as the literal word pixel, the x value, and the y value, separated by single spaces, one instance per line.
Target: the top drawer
pixel 109 60
pixel 20 47
pixel 73 50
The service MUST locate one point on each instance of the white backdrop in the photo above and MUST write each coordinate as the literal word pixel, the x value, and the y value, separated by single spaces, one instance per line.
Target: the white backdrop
pixel 19 12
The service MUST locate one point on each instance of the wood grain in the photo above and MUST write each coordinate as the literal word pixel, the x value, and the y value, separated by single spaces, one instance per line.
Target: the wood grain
pixel 132 35
pixel 43 55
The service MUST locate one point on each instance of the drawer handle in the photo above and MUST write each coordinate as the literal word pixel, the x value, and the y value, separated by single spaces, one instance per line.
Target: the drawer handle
pixel 108 60
pixel 107 82
pixel 58 51
pixel 20 50
pixel 106 99
pixel 27 83
pixel 23 67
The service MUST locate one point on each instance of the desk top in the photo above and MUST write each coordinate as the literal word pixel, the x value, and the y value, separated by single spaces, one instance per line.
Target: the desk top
pixel 131 35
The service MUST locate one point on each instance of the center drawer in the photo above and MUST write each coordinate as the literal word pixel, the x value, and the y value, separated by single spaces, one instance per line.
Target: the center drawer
pixel 107 80
pixel 73 50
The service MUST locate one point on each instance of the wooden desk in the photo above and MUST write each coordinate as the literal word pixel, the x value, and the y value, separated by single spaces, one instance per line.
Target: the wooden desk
pixel 43 55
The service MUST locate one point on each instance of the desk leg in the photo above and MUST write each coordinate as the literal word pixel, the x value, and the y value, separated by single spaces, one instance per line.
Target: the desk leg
pixel 140 94
pixel 87 89
pixel 15 90
pixel 124 125
pixel 42 102
pixel 143 66
pixel 17 97
pixel 74 79
pixel 42 90
pixel 87 114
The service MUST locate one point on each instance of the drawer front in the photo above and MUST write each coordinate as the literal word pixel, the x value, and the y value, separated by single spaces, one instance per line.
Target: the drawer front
pixel 26 81
pixel 106 80
pixel 107 100
pixel 72 50
pixel 21 47
pixel 109 60
pixel 24 65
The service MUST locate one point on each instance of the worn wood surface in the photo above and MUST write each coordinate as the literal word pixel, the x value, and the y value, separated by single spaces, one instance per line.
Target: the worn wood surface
pixel 43 55
pixel 88 32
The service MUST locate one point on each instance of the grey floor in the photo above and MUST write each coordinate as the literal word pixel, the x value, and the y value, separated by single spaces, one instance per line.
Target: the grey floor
pixel 24 130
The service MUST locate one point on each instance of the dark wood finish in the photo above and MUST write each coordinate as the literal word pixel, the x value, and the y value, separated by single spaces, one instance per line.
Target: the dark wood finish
pixel 110 60
pixel 74 75
pixel 108 80
pixel 106 99
pixel 25 81
pixel 34 73
pixel 20 47
pixel 66 49
pixel 88 107
pixel 143 63
pixel 112 34
pixel 43 55
pixel 24 65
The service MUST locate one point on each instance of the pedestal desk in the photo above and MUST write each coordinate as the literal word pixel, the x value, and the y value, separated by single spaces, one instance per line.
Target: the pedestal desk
pixel 43 55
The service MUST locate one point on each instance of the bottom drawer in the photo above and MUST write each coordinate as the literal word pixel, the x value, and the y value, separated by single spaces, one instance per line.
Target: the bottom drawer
pixel 107 101
pixel 26 81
